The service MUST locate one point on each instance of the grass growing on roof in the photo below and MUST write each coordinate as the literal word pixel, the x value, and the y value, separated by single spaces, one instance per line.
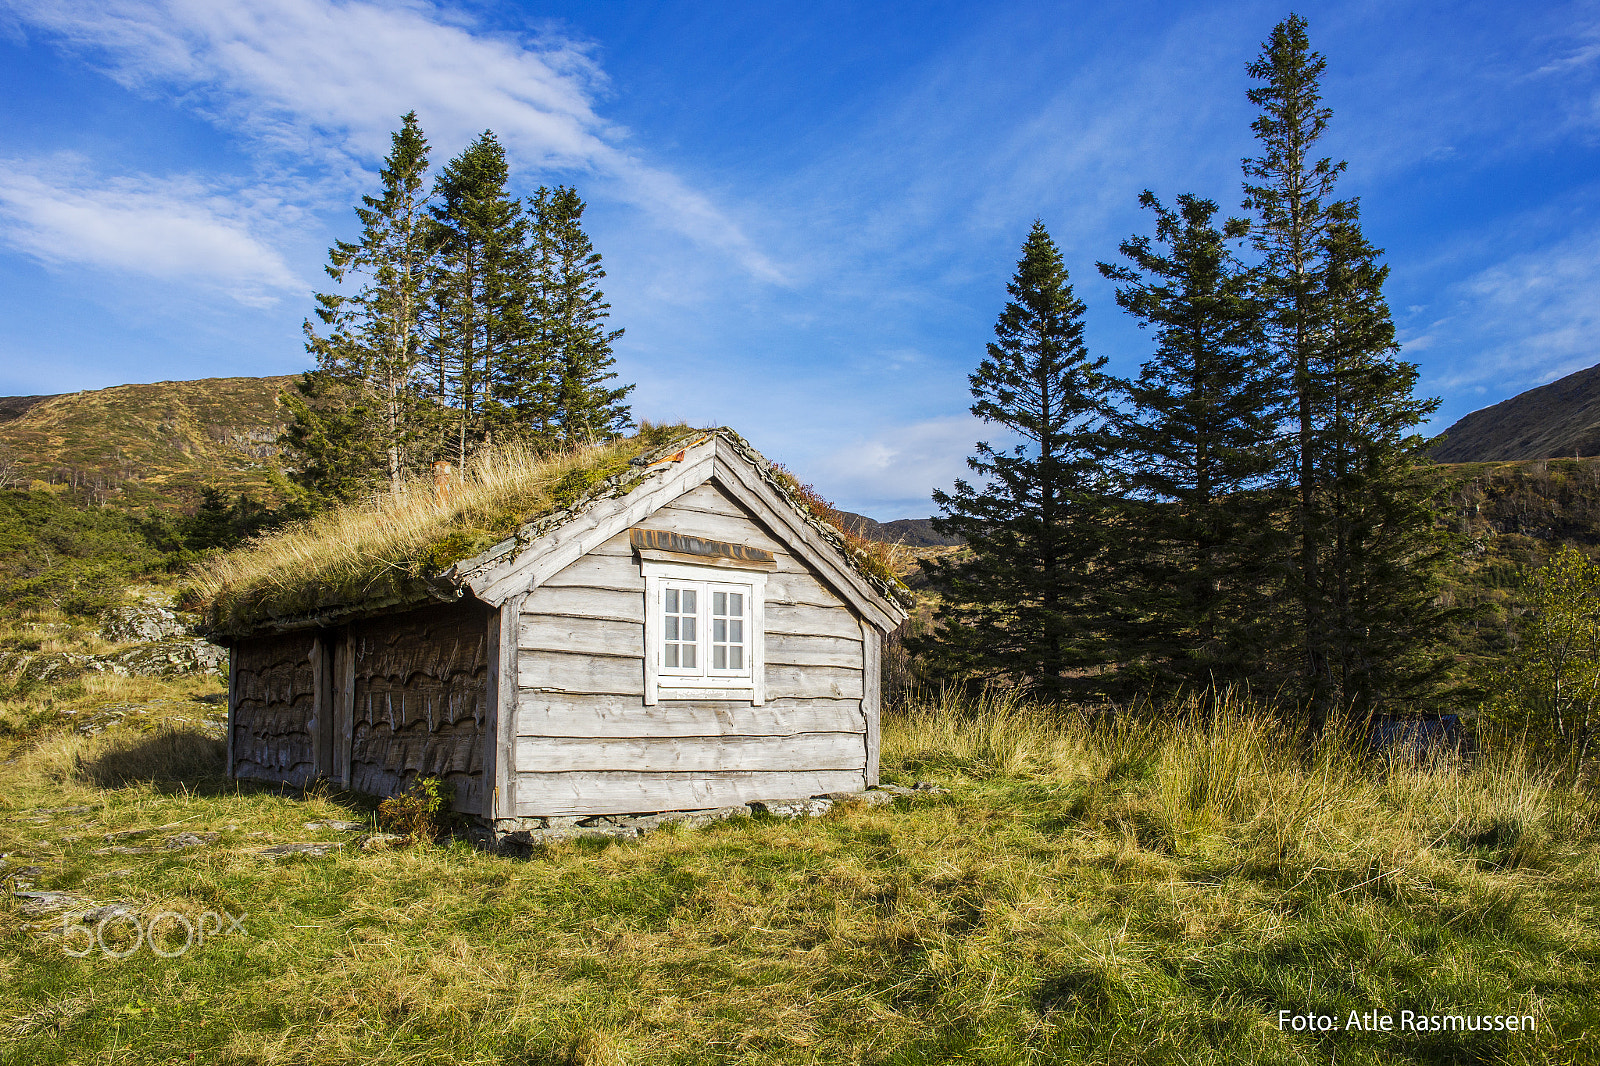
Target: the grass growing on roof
pixel 1146 892
pixel 383 550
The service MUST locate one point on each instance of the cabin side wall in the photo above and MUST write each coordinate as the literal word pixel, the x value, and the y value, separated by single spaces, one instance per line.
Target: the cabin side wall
pixel 585 743
pixel 372 705
pixel 419 701
pixel 271 721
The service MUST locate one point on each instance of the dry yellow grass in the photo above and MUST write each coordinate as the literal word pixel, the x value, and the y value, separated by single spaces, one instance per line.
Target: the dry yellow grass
pixel 381 548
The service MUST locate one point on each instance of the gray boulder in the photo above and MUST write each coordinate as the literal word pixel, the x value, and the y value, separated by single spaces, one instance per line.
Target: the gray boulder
pixel 143 623
pixel 37 669
pixel 163 658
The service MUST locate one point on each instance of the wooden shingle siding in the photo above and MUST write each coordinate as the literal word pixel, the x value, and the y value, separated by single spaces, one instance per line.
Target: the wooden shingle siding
pixel 274 697
pixel 587 744
pixel 419 707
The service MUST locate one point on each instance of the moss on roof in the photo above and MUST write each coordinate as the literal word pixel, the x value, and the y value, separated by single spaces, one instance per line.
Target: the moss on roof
pixel 398 551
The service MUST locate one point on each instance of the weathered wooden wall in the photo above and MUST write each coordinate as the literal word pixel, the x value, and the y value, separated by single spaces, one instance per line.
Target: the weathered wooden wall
pixel 274 686
pixel 419 700
pixel 585 743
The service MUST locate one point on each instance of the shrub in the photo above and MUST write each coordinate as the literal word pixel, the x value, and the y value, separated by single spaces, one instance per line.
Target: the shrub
pixel 415 812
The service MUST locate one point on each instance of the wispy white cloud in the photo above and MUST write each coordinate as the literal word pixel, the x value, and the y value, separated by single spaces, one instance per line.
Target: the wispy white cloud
pixel 178 229
pixel 890 473
pixel 1528 319
pixel 325 80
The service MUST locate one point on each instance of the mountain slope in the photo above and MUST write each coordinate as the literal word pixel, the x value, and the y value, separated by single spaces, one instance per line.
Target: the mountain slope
pixel 153 445
pixel 1558 420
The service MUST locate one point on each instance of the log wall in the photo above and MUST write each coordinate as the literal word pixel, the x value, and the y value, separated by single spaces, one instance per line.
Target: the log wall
pixel 419 701
pixel 585 743
pixel 273 681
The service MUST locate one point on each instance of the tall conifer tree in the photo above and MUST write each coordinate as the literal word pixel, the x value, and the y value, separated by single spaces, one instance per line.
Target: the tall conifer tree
pixel 1024 605
pixel 1291 194
pixel 1374 510
pixel 1358 519
pixel 361 402
pixel 479 311
pixel 587 406
pixel 1199 442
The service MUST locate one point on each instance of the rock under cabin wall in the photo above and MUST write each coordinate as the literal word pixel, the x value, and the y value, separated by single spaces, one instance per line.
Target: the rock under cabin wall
pixel 420 706
pixel 584 741
pixel 274 689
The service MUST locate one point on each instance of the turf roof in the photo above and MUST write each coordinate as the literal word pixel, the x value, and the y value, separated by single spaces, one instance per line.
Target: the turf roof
pixel 397 553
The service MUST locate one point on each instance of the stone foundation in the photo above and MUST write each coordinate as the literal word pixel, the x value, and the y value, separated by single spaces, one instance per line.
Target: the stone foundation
pixel 525 832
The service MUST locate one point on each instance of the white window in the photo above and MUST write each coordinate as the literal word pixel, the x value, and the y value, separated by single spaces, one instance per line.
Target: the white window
pixel 703 633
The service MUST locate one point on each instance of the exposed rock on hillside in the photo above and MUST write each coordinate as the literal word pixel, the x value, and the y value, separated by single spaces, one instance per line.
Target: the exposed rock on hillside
pixel 163 658
pixel 143 623
pixel 155 639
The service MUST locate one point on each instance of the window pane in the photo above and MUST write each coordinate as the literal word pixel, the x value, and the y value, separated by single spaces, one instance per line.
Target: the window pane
pixel 736 630
pixel 736 658
pixel 719 630
pixel 719 656
pixel 688 632
pixel 735 603
pixel 688 601
pixel 719 603
pixel 688 656
pixel 672 627
pixel 672 655
pixel 672 601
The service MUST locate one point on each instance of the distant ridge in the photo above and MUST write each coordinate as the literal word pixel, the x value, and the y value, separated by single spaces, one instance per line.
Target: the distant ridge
pixel 17 406
pixel 1553 421
pixel 912 532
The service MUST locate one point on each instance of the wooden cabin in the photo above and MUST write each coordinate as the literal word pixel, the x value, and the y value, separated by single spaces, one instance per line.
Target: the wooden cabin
pixel 688 636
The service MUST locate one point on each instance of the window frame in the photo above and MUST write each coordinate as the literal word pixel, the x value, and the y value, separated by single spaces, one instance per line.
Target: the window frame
pixel 703 682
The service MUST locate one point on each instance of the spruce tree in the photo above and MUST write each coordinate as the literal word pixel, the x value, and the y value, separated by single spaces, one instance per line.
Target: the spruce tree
pixel 1199 443
pixel 1025 604
pixel 1374 509
pixel 334 454
pixel 365 382
pixel 526 388
pixel 588 407
pixel 478 313
pixel 1364 548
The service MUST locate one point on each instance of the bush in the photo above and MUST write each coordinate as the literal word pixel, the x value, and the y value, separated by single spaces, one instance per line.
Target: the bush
pixel 55 555
pixel 416 811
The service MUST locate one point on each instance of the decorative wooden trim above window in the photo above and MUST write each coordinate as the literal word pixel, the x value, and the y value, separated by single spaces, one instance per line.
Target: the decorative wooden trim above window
pixel 702 680
pixel 659 545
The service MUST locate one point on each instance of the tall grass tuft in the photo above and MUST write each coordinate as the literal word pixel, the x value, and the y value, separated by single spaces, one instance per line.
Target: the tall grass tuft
pixel 1193 774
pixel 163 757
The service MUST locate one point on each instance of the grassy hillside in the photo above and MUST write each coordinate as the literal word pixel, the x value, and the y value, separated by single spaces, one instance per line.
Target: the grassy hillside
pixel 157 445
pixel 1080 895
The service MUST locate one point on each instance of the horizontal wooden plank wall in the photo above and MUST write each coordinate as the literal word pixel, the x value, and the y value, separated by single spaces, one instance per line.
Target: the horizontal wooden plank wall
pixel 274 694
pixel 587 744
pixel 420 682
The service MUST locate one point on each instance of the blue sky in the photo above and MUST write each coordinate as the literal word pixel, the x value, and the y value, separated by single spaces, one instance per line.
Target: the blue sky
pixel 808 212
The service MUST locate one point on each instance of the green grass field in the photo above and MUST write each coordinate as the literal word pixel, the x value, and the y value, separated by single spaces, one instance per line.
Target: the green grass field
pixel 1082 894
